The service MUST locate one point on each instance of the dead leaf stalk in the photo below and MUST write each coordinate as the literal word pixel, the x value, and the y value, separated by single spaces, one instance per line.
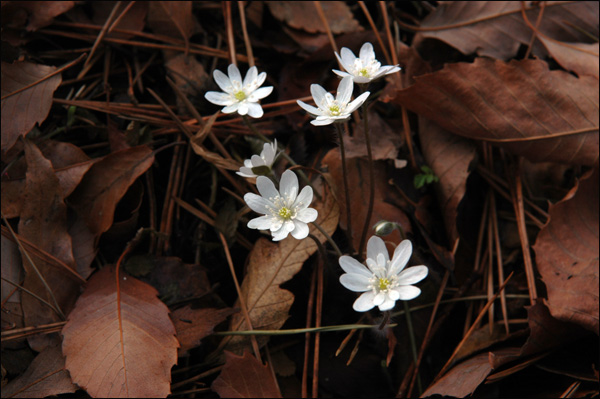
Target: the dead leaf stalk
pixel 240 296
pixel 229 27
pixel 340 134
pixel 249 53
pixel 323 18
pixel 468 334
pixel 367 225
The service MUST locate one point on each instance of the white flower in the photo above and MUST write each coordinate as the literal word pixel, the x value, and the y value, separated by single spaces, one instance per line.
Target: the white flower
pixel 382 281
pixel 285 211
pixel 262 163
pixel 365 68
pixel 240 96
pixel 333 110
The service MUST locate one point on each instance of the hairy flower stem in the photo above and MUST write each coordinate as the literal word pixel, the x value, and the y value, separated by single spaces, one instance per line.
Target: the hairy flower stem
pixel 261 136
pixel 346 188
pixel 413 343
pixel 363 237
pixel 328 237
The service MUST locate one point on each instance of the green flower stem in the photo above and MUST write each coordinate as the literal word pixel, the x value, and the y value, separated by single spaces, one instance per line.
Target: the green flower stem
pixel 363 237
pixel 283 153
pixel 413 343
pixel 342 327
pixel 328 237
pixel 346 188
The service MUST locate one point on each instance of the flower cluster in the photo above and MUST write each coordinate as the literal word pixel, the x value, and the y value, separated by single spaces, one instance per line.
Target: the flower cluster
pixel 382 281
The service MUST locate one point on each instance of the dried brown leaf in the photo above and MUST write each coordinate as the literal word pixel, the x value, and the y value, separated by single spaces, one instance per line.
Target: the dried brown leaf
pixel 303 15
pixel 43 222
pixel 38 13
pixel 172 18
pixel 384 207
pixel 521 105
pixel 271 264
pixel 21 111
pixel 497 29
pixel 120 343
pixel 449 157
pixel 194 324
pixel 581 58
pixel 567 255
pixel 46 376
pixel 96 197
pixel 245 377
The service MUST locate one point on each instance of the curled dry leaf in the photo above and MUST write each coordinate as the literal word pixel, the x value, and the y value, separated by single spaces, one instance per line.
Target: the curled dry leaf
pixel 272 264
pixel 497 29
pixel 245 377
pixel 194 324
pixel 21 111
pixel 303 15
pixel 43 222
pixel 531 111
pixel 581 58
pixel 69 163
pixel 567 255
pixel 96 197
pixel 45 376
pixel 449 157
pixel 120 342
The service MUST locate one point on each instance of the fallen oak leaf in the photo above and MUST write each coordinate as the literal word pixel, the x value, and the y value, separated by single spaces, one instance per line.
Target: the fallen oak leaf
pixel 120 343
pixel 245 377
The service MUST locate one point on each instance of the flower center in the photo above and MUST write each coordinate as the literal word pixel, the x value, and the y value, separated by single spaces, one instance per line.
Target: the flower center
pixel 240 95
pixel 364 72
pixel 383 283
pixel 285 213
pixel 334 110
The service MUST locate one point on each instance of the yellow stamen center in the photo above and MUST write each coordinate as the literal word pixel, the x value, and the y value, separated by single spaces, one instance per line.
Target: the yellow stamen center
pixel 240 95
pixel 334 110
pixel 383 283
pixel 364 72
pixel 285 213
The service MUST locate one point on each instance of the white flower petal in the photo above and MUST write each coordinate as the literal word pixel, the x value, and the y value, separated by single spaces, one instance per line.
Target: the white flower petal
pixel 358 101
pixel 260 93
pixel 376 246
pixel 304 198
pixel 255 110
pixel 413 275
pixel 364 302
pixel 260 223
pixel 322 122
pixel 393 295
pixel 379 298
pixel 309 108
pixel 355 282
pixel 351 265
pixel 223 81
pixel 387 304
pixel 231 108
pixel 261 79
pixel 257 203
pixel 407 292
pixel 245 172
pixel 401 256
pixel 289 225
pixel 218 98
pixel 279 234
pixel 266 188
pixel 234 75
pixel 243 108
pixel 367 54
pixel 344 93
pixel 307 215
pixel 301 231
pixel 348 58
pixel 341 73
pixel 250 78
pixel 276 224
pixel 361 79
pixel 288 186
pixel 257 161
pixel 318 93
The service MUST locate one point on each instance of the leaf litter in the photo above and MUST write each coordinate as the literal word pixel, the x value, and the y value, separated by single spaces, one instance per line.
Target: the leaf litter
pixel 497 104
